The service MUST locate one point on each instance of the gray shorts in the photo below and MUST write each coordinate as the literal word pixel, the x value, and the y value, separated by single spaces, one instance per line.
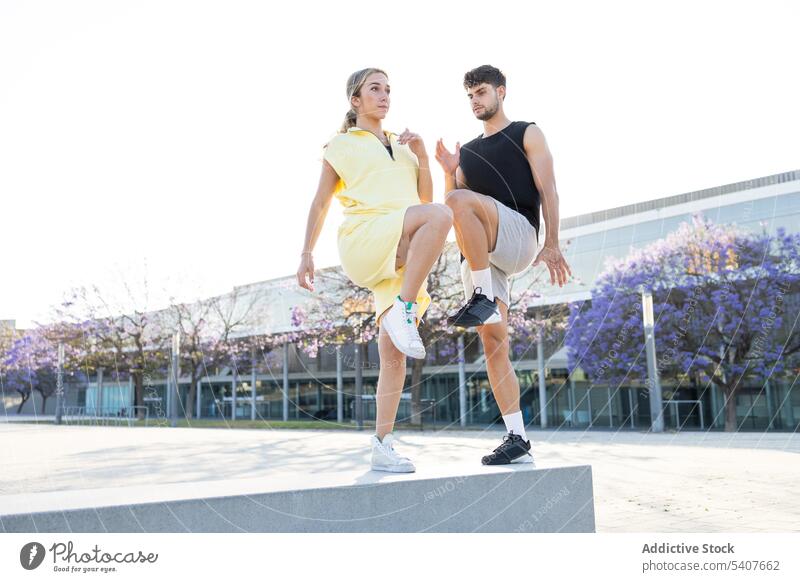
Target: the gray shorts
pixel 517 243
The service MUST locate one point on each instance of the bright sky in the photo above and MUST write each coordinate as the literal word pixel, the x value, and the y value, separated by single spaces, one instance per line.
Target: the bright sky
pixel 183 138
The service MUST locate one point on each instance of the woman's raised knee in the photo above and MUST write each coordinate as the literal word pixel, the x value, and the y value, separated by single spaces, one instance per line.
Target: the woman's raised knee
pixel 440 214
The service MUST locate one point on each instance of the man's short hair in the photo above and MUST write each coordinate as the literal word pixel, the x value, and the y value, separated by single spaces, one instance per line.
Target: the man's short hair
pixel 484 74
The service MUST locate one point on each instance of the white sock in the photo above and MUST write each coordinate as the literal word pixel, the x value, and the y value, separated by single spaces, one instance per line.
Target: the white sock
pixel 515 424
pixel 483 279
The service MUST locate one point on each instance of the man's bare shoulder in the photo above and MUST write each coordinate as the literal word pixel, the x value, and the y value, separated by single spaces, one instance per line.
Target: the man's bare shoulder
pixel 533 137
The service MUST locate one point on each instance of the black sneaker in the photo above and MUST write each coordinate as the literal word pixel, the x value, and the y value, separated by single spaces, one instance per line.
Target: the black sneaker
pixel 513 450
pixel 477 311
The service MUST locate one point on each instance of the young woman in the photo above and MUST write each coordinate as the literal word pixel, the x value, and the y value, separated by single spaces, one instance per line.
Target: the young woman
pixel 391 236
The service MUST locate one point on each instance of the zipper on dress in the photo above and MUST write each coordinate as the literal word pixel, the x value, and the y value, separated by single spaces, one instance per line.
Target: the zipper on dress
pixel 391 153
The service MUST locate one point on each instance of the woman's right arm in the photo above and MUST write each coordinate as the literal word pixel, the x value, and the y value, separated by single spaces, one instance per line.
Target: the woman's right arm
pixel 316 219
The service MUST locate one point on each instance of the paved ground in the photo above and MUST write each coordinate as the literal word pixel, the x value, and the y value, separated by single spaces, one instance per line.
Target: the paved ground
pixel 673 482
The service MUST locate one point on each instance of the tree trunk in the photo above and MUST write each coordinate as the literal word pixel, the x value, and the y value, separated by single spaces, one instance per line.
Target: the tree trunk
pixel 192 396
pixel 21 404
pixel 416 391
pixel 730 409
pixel 138 398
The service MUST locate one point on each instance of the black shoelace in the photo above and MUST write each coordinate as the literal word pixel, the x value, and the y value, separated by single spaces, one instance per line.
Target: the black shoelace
pixel 507 442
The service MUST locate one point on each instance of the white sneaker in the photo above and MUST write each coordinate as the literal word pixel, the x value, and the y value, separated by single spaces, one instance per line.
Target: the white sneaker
pixel 401 325
pixel 385 458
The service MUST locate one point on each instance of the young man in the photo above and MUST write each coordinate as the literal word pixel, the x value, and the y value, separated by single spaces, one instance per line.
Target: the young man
pixel 495 185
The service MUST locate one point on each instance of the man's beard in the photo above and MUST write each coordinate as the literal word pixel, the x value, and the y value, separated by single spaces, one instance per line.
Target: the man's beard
pixel 488 112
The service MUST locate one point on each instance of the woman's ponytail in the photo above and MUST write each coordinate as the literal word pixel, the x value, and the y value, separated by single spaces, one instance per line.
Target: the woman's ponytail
pixel 349 121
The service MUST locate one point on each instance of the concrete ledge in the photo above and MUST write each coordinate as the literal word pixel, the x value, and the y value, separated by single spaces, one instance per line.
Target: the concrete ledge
pixel 512 498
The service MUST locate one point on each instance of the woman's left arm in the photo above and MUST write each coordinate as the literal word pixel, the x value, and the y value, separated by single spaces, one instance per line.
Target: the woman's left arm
pixel 424 179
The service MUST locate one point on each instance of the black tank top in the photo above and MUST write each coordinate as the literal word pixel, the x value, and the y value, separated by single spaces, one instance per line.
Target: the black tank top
pixel 497 166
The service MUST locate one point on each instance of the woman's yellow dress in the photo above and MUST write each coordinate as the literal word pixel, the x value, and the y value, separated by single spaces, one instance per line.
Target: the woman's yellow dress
pixel 375 189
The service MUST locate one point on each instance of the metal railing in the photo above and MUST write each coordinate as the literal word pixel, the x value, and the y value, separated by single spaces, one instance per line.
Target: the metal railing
pixel 104 416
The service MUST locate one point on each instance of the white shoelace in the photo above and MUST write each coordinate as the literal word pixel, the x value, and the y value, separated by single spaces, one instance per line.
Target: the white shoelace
pixel 394 455
pixel 411 328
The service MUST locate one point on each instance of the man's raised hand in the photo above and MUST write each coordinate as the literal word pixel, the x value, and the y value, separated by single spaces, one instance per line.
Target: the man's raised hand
pixel 448 161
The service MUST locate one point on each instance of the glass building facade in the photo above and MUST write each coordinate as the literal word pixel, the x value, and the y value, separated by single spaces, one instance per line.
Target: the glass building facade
pixel 571 400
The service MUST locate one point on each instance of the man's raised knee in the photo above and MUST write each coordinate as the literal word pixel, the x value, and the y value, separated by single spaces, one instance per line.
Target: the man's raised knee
pixel 460 199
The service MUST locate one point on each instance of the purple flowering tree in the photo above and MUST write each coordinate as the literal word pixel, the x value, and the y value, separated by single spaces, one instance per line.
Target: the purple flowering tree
pixel 719 298
pixel 29 362
pixel 21 361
